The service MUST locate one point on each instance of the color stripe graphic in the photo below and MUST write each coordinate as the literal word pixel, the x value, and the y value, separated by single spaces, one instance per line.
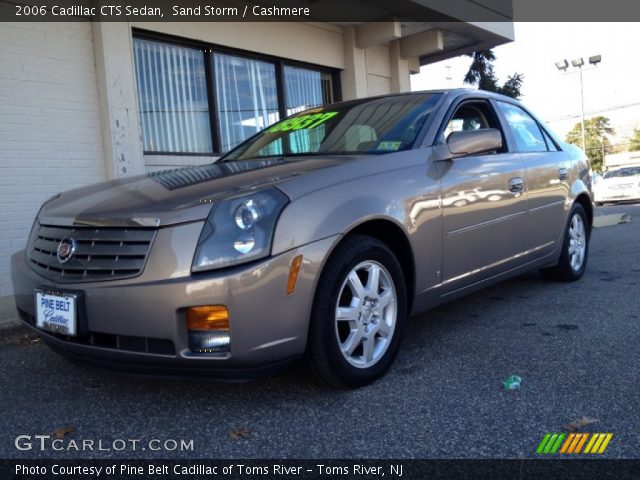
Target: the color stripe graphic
pixel 598 443
pixel 574 443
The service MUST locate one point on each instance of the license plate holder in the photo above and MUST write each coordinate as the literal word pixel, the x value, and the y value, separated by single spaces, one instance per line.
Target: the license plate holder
pixel 57 311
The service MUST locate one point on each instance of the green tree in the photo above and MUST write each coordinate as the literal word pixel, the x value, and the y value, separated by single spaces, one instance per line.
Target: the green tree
pixel 481 74
pixel 597 143
pixel 634 142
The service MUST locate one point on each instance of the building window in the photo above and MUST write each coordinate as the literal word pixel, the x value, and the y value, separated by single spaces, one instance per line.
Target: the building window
pixel 172 98
pixel 201 101
pixel 306 89
pixel 246 98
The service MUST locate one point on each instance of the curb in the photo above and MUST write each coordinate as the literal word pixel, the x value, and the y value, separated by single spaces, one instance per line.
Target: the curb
pixel 9 324
pixel 611 220
pixel 8 314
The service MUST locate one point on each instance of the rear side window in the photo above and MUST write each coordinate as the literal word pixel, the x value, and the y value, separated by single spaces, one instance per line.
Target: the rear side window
pixel 526 131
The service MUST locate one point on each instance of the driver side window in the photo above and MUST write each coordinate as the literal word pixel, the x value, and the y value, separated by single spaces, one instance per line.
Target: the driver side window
pixel 467 117
pixel 473 115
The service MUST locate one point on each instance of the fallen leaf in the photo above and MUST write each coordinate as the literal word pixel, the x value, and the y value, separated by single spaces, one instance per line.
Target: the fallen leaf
pixel 60 433
pixel 29 340
pixel 578 423
pixel 239 433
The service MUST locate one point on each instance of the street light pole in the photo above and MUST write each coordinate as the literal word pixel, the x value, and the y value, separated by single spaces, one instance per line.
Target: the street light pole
pixel 584 135
pixel 579 63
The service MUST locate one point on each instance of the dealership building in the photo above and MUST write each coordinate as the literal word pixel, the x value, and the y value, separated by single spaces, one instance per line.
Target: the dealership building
pixel 82 102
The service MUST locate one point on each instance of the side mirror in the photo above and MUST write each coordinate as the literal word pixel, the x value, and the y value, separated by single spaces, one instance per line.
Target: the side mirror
pixel 469 142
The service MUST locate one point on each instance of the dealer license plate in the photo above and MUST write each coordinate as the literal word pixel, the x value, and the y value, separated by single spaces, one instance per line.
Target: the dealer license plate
pixel 56 312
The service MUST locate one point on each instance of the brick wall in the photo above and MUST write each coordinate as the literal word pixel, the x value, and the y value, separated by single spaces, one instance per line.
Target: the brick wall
pixel 50 133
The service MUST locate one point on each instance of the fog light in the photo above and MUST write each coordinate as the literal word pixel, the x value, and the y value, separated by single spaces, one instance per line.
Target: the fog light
pixel 208 327
pixel 208 342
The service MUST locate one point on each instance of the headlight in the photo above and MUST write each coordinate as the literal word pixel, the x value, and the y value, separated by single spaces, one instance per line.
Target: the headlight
pixel 239 230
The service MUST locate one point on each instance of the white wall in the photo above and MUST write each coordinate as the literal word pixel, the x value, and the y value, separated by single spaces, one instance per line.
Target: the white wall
pixel 378 70
pixel 50 132
pixel 375 69
pixel 318 43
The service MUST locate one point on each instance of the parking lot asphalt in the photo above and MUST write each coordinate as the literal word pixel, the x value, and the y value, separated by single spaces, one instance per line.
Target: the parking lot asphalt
pixel 575 346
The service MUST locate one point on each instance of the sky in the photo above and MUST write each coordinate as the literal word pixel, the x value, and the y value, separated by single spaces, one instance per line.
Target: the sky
pixel 610 89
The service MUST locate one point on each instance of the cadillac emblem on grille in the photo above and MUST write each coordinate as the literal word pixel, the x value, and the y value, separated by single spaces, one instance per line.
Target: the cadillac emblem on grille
pixel 66 249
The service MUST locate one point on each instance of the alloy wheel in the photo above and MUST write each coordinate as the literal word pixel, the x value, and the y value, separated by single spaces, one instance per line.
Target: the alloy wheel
pixel 577 242
pixel 366 313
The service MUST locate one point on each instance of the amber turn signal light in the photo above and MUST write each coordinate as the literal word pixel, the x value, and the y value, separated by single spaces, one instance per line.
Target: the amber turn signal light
pixel 293 274
pixel 208 317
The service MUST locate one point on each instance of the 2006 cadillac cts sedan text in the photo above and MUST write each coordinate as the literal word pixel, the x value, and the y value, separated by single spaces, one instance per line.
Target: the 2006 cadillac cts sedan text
pixel 317 237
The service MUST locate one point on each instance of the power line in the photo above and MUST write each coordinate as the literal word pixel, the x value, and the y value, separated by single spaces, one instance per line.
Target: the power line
pixel 609 146
pixel 610 109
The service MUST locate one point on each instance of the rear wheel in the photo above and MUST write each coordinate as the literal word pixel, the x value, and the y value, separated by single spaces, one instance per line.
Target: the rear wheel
pixel 575 249
pixel 359 314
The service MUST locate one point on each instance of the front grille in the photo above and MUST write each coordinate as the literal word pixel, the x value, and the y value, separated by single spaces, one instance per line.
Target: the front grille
pixel 157 346
pixel 101 253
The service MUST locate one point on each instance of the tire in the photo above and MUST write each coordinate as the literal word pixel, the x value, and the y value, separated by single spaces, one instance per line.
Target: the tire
pixel 359 348
pixel 573 259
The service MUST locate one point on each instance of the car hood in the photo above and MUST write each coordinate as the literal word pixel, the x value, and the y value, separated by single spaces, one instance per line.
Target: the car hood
pixel 172 196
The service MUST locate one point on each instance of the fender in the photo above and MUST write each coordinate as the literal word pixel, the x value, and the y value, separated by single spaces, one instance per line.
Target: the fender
pixel 335 210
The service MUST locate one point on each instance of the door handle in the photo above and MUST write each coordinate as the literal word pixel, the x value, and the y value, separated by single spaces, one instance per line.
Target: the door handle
pixel 563 174
pixel 516 185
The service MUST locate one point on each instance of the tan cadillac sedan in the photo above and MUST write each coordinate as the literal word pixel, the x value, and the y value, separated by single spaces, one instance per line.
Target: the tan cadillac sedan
pixel 316 238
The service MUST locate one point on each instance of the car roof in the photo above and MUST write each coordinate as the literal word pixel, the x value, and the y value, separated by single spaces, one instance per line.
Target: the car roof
pixel 449 92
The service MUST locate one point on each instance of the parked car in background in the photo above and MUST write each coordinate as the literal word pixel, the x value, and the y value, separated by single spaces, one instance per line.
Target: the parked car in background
pixel 618 185
pixel 316 238
pixel 596 177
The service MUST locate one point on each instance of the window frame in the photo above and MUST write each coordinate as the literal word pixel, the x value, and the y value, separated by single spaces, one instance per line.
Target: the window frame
pixel 507 142
pixel 210 76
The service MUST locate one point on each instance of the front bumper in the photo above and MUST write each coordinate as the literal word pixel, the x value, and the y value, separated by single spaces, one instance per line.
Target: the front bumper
pixel 139 324
pixel 617 195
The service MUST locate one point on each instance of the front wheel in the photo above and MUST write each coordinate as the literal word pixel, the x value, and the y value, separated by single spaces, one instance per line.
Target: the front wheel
pixel 575 249
pixel 358 315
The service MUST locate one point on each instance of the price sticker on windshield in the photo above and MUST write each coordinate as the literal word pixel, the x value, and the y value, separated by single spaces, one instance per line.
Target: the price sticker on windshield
pixel 302 122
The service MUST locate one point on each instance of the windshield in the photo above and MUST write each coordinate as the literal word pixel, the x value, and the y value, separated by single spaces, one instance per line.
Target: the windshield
pixel 376 126
pixel 623 172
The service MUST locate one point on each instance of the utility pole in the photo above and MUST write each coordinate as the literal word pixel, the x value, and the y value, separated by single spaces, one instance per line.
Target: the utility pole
pixel 584 134
pixel 579 63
